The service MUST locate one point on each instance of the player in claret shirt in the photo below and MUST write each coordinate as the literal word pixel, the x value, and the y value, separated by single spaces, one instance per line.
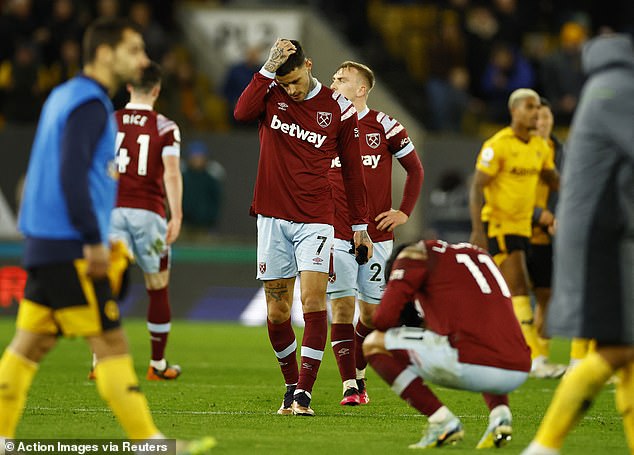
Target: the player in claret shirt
pixel 148 161
pixel 381 139
pixel 303 126
pixel 471 339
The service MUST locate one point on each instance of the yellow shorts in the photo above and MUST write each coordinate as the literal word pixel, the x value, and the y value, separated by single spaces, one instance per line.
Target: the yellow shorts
pixel 60 299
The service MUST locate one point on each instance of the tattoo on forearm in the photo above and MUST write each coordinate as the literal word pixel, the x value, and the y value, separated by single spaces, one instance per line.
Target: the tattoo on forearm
pixel 277 293
pixel 365 237
pixel 275 60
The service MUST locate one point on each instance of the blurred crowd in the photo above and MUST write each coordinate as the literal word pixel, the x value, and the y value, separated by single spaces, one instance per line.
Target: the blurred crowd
pixel 466 56
pixel 40 46
pixel 461 58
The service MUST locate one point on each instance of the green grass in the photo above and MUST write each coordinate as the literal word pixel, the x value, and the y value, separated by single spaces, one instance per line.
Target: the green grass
pixel 231 387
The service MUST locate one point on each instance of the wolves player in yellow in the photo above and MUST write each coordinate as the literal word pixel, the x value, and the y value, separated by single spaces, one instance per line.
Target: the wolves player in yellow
pixel 502 199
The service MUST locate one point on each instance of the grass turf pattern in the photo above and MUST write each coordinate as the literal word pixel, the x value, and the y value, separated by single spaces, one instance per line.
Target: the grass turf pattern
pixel 231 388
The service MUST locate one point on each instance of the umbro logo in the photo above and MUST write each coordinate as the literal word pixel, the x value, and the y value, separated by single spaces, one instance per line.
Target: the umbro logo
pixel 282 106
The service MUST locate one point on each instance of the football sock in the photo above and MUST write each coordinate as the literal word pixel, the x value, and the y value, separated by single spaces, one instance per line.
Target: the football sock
pixel 16 375
pixel 119 387
pixel 578 348
pixel 572 398
pixel 405 383
pixel 342 341
pixel 493 401
pixel 543 346
pixel 313 344
pixel 524 315
pixel 158 321
pixel 360 332
pixel 285 346
pixel 625 401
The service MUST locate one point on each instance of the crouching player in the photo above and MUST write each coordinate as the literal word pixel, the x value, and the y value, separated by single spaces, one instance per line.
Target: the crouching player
pixel 470 338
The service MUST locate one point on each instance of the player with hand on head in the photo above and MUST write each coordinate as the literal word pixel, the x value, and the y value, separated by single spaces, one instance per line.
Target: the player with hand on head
pixel 148 162
pixel 501 203
pixel 303 126
pixel 464 336
pixel 382 138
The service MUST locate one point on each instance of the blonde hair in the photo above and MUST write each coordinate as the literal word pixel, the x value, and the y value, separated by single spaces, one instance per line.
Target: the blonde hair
pixel 363 70
pixel 520 94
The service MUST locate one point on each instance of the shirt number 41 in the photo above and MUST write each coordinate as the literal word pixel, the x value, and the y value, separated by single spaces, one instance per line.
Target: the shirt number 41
pixel 123 159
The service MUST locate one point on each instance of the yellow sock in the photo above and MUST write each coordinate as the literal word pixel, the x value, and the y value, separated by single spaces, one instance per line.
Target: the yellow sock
pixel 625 401
pixel 16 375
pixel 119 387
pixel 543 346
pixel 572 398
pixel 524 314
pixel 579 348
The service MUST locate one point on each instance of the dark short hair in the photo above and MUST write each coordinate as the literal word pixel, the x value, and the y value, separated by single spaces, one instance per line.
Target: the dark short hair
pixel 544 102
pixel 390 261
pixel 108 31
pixel 295 60
pixel 152 75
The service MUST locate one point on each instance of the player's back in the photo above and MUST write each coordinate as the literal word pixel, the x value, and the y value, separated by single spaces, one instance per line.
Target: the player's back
pixel 465 297
pixel 144 137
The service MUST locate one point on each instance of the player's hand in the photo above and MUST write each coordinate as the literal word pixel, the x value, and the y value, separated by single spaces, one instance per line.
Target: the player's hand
pixel 552 228
pixel 97 260
pixel 278 54
pixel 173 230
pixel 479 238
pixel 546 218
pixel 390 219
pixel 361 238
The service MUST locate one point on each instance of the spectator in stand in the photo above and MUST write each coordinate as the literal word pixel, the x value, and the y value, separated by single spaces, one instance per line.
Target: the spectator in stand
pixel 20 79
pixel 448 83
pixel 16 25
pixel 62 25
pixel 480 29
pixel 240 74
pixel 202 191
pixel 153 34
pixel 68 65
pixel 562 76
pixel 506 71
pixel 108 8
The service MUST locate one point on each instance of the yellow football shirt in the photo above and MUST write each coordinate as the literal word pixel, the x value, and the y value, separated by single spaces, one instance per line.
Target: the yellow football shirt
pixel 515 166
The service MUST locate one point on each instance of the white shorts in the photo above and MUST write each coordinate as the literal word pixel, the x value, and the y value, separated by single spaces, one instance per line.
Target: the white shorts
pixel 286 248
pixel 350 278
pixel 436 361
pixel 144 233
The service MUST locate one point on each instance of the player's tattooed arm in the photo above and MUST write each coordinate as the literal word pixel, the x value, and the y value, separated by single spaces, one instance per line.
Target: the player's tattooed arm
pixel 279 54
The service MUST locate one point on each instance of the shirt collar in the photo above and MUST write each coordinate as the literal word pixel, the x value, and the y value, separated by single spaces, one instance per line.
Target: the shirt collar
pixel 363 113
pixel 138 107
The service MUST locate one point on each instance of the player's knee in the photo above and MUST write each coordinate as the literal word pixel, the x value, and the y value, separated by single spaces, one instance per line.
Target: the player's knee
pixel 342 310
pixel 374 344
pixel 155 281
pixel 366 312
pixel 313 302
pixel 278 313
pixel 32 346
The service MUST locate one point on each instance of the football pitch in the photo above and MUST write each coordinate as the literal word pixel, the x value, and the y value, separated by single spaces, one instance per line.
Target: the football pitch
pixel 231 388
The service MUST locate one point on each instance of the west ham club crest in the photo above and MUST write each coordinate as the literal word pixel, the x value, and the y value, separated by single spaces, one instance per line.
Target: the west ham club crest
pixel 373 140
pixel 324 119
